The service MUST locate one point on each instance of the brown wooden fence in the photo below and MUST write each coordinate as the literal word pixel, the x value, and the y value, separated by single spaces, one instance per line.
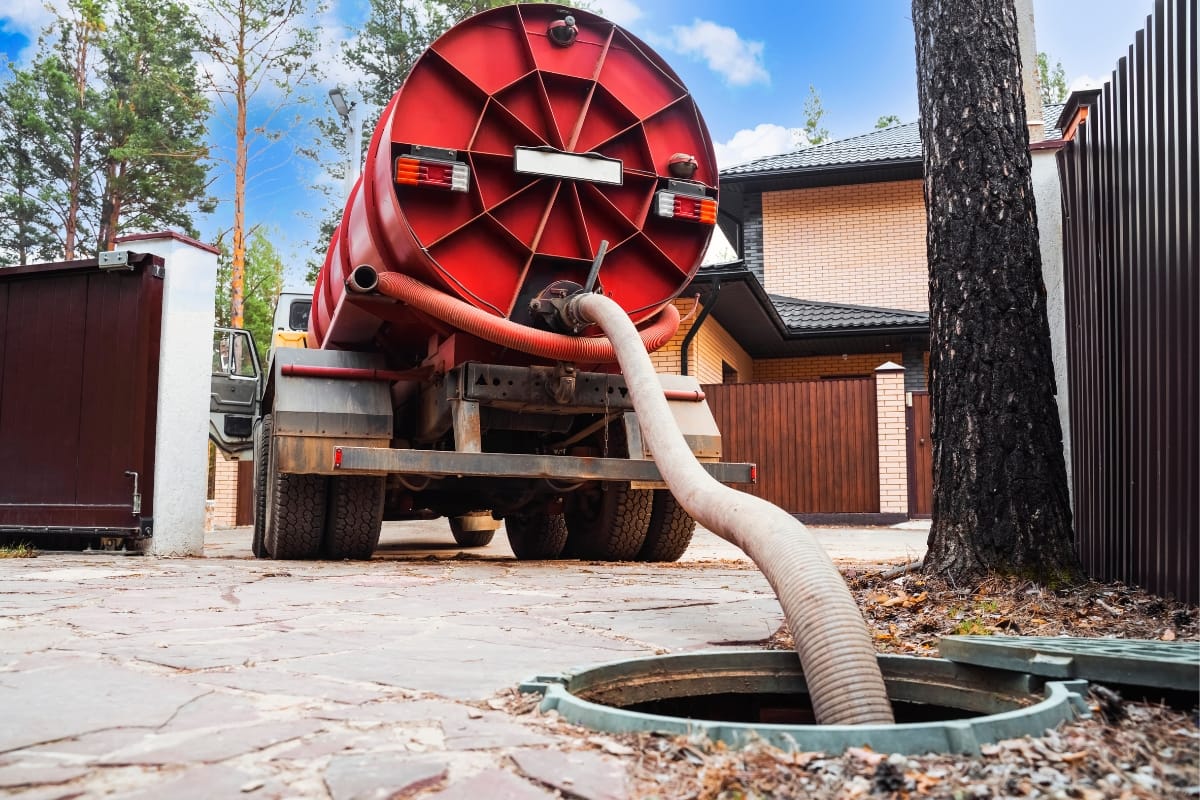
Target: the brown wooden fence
pixel 815 442
pixel 1131 229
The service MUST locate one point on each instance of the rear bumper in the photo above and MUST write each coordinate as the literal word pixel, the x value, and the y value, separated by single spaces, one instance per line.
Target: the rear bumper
pixel 384 461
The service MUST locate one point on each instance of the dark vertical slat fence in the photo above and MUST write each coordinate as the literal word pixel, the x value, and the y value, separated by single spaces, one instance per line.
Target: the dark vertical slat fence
pixel 816 443
pixel 1131 240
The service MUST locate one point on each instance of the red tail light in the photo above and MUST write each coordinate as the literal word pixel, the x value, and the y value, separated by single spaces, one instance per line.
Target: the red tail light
pixel 451 175
pixel 687 207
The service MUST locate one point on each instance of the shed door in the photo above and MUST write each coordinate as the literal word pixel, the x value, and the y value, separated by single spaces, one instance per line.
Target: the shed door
pixel 78 387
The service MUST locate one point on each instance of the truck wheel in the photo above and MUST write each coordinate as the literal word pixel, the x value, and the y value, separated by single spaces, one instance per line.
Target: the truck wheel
pixel 537 536
pixel 670 531
pixel 261 448
pixel 610 525
pixel 295 513
pixel 466 538
pixel 355 517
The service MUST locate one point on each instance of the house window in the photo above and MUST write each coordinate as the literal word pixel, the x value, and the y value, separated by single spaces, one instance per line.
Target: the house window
pixel 728 373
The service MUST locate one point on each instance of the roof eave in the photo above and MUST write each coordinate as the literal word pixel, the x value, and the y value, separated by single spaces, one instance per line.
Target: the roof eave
pixel 824 169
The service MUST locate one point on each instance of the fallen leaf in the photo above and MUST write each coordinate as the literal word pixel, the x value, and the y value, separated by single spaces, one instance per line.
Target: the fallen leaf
pixel 866 755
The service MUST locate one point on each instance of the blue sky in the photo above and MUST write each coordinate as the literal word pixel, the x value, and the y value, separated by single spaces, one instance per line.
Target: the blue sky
pixel 748 63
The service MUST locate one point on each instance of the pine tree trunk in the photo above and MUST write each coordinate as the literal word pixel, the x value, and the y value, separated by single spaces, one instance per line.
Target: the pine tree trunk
pixel 241 157
pixel 1000 501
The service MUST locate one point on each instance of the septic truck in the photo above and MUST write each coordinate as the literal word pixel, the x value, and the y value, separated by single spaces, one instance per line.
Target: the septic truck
pixel 534 155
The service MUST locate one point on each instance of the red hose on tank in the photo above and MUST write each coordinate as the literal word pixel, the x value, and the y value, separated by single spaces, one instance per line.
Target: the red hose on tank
pixel 513 335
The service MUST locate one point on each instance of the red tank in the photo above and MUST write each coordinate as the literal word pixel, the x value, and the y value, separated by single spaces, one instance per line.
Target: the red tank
pixel 523 138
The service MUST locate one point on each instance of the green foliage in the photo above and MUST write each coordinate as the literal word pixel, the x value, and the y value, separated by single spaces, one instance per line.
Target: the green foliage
pixel 1053 81
pixel 813 112
pixel 101 131
pixel 151 122
pixel 264 282
pixel 252 44
pixel 971 627
pixel 26 230
pixel 887 121
pixel 18 550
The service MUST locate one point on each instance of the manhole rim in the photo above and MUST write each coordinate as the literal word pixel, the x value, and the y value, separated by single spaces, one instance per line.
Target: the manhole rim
pixel 1063 701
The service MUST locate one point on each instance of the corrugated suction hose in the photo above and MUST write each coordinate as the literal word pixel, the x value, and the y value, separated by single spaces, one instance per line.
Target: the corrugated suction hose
pixel 835 648
pixel 499 330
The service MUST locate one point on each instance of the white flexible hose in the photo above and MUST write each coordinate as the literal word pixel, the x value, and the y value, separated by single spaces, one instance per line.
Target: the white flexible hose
pixel 835 648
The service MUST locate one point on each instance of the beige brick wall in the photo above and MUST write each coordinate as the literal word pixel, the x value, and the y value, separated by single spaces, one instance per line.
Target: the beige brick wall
pixel 224 513
pixel 861 244
pixel 712 345
pixel 813 367
pixel 893 439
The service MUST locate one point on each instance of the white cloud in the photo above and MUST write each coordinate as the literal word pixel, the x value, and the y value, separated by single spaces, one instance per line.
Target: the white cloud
pixel 26 17
pixel 765 139
pixel 622 12
pixel 737 60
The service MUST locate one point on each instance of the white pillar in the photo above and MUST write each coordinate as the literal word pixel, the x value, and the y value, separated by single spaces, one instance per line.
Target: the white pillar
pixel 184 375
pixel 1047 197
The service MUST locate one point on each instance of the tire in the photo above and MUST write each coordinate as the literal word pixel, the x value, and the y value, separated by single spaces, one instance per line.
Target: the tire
pixel 295 518
pixel 465 538
pixel 355 517
pixel 670 531
pixel 613 528
pixel 536 537
pixel 262 448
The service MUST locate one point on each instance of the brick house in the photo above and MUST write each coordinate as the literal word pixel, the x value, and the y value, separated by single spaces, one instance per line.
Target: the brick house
pixel 831 285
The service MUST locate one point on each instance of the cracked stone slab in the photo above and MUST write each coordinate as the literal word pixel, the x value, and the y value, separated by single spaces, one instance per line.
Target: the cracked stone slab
pixel 269 681
pixel 211 745
pixel 582 774
pixel 208 781
pixel 16 776
pixel 467 662
pixel 80 696
pixel 463 727
pixel 494 784
pixel 372 777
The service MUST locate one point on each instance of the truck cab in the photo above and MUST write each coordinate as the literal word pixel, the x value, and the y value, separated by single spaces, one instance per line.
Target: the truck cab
pixel 237 373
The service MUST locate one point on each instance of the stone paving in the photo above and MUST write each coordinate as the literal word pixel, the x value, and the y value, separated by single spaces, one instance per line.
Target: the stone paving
pixel 124 676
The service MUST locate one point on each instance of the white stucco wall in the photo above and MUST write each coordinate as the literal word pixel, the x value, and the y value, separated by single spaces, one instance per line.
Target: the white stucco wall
pixel 184 374
pixel 1048 198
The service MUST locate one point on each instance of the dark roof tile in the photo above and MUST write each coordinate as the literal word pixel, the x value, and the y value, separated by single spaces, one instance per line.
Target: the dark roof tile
pixel 809 315
pixel 897 143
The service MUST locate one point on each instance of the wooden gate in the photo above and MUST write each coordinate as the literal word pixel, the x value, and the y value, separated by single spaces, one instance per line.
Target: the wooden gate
pixel 920 456
pixel 78 390
pixel 815 442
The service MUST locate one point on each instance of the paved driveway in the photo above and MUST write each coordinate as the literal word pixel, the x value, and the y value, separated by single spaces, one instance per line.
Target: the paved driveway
pixel 232 677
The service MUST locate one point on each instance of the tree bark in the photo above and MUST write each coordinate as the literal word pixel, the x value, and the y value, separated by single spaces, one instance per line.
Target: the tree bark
pixel 1000 501
pixel 240 160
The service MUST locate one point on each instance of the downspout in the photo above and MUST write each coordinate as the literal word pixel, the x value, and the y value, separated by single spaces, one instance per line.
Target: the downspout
pixel 687 338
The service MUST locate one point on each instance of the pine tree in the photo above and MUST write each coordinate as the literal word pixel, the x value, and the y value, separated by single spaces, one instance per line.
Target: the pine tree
pixel 253 44
pixel 151 121
pixel 26 228
pixel 1000 501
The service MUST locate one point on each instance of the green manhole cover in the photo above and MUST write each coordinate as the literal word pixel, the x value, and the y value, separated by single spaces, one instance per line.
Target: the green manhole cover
pixel 1140 662
pixel 742 696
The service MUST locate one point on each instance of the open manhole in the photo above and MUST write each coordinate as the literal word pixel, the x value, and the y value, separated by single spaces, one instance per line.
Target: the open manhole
pixel 745 695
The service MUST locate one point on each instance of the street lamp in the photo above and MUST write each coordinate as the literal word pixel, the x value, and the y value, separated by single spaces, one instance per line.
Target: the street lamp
pixel 347 110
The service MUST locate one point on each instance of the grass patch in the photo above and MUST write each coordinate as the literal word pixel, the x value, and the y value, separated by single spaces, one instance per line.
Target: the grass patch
pixel 18 550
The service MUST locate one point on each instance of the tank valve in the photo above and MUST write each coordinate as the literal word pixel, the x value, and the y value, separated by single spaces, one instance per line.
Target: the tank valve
pixel 563 31
pixel 682 166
